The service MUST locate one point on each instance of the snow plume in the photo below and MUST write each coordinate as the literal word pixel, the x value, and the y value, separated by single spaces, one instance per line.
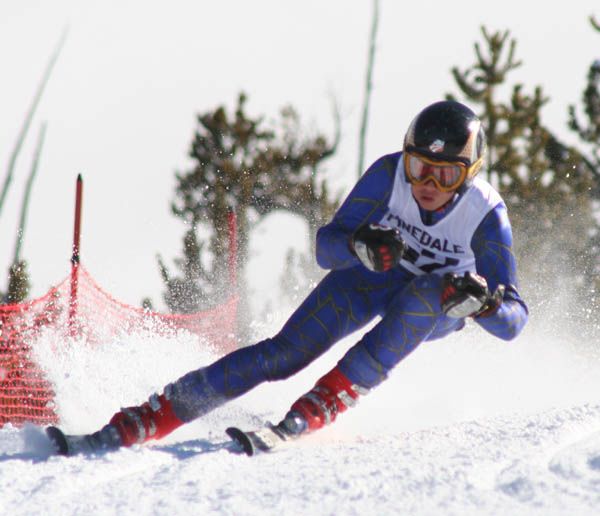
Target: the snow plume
pixel 93 380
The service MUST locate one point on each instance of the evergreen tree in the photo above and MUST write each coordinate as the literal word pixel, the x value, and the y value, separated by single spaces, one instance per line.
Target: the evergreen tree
pixel 18 283
pixel 589 133
pixel 194 290
pixel 241 164
pixel 547 185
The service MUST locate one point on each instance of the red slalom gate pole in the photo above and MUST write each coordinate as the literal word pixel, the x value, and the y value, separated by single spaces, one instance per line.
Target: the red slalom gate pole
pixel 75 258
pixel 233 280
pixel 232 226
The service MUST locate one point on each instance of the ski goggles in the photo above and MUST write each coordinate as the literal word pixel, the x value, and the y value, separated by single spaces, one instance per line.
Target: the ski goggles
pixel 446 175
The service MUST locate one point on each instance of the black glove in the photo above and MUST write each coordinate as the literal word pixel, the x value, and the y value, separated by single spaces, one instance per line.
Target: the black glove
pixel 379 248
pixel 469 296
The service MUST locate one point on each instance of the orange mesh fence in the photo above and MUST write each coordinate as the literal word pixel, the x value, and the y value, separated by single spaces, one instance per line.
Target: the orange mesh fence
pixel 25 394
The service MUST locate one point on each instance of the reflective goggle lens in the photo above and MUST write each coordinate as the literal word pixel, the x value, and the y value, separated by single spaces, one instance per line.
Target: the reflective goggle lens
pixel 447 176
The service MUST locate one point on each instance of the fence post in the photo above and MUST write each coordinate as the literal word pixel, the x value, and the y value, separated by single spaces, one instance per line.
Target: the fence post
pixel 75 258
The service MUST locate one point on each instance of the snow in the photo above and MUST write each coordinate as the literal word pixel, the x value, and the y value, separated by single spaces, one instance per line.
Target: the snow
pixel 467 425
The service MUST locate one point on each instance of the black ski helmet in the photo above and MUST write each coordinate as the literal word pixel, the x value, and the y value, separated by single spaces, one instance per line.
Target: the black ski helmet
pixel 448 131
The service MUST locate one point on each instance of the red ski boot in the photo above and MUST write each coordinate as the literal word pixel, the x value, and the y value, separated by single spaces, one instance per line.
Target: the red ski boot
pixel 332 394
pixel 151 420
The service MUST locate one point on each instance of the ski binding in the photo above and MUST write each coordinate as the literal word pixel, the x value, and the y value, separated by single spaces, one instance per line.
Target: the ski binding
pixel 258 441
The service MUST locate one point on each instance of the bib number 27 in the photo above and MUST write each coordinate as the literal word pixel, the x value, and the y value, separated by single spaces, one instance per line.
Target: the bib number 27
pixel 431 262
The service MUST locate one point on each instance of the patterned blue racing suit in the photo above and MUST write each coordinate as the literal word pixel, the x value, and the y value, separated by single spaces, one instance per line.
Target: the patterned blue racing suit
pixel 406 298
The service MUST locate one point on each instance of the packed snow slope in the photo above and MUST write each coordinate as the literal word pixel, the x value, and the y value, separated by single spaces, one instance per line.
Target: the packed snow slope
pixel 467 425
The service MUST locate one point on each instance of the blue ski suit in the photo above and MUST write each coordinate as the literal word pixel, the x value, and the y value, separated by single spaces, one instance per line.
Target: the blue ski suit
pixel 406 298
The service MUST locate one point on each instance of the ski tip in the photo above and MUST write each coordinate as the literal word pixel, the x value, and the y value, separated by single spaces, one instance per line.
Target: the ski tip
pixel 241 438
pixel 58 440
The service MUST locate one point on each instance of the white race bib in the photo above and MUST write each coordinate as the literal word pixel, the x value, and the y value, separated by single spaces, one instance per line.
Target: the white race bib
pixel 445 246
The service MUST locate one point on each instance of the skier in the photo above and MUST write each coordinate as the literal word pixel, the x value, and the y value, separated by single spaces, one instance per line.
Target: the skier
pixel 420 241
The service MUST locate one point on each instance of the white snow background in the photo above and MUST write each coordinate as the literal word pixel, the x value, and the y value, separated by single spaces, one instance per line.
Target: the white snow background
pixel 466 425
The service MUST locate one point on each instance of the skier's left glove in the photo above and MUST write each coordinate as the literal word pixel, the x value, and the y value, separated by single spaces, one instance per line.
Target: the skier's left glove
pixel 469 296
pixel 379 248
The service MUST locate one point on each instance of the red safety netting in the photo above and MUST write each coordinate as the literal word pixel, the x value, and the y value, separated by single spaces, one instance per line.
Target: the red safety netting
pixel 78 307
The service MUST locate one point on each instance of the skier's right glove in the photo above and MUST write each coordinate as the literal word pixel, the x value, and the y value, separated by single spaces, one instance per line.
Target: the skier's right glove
pixel 469 296
pixel 379 248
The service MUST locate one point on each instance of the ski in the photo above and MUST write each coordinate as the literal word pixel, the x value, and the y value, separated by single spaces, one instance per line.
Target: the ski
pixel 264 440
pixel 251 442
pixel 58 440
pixel 69 445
